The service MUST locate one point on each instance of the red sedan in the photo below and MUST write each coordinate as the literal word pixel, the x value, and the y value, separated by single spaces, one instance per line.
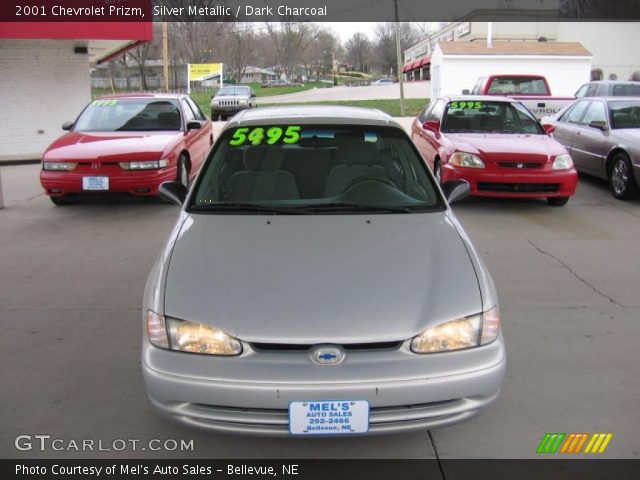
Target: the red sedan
pixel 496 145
pixel 127 143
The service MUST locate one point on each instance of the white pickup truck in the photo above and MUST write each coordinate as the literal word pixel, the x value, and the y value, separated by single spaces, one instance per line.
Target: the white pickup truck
pixel 531 90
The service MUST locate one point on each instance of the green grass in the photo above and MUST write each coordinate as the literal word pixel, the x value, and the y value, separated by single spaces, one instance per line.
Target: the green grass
pixel 412 106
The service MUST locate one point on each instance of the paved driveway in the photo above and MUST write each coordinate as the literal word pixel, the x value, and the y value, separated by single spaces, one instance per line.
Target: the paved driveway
pixel 420 89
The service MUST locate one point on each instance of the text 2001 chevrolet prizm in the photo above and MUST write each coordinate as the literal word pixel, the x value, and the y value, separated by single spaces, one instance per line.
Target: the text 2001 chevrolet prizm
pixel 316 282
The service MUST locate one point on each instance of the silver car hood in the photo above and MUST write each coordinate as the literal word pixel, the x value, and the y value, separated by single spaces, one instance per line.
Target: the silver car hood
pixel 321 278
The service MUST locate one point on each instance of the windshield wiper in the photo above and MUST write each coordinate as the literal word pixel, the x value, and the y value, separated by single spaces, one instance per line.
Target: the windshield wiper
pixel 232 207
pixel 355 207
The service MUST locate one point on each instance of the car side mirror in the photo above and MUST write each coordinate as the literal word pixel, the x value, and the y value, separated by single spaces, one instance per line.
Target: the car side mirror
pixel 173 192
pixel 549 128
pixel 194 125
pixel 253 95
pixel 431 125
pixel 599 124
pixel 67 125
pixel 455 190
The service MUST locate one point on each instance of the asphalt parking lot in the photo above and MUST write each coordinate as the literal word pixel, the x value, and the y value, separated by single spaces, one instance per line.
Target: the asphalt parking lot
pixel 71 290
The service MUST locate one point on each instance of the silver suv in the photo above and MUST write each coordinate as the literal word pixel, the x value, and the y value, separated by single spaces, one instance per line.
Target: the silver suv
pixel 231 99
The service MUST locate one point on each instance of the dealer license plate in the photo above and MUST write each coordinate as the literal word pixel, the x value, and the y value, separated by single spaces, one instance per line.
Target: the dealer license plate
pixel 95 183
pixel 335 417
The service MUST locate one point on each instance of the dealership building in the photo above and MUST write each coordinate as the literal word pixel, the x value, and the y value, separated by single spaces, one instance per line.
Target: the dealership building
pixel 613 46
pixel 45 77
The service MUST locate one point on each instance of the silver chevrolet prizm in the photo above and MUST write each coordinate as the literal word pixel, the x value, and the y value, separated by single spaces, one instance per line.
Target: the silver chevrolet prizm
pixel 316 282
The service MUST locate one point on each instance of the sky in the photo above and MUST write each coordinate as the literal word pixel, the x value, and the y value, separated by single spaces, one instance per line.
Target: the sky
pixel 345 30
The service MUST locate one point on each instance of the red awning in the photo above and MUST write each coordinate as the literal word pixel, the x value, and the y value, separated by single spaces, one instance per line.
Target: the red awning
pixel 425 61
pixel 406 68
pixel 415 65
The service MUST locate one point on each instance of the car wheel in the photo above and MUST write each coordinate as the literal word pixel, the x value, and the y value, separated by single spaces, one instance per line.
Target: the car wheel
pixel 622 182
pixel 183 171
pixel 60 201
pixel 557 201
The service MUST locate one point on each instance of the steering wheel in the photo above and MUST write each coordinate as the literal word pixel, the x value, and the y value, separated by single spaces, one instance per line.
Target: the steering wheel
pixel 368 178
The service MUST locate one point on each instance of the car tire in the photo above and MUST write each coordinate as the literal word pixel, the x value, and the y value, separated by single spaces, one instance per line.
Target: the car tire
pixel 183 171
pixel 622 182
pixel 557 201
pixel 60 201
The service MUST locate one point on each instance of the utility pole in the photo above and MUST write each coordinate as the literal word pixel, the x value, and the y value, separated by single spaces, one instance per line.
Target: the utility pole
pixel 165 55
pixel 399 55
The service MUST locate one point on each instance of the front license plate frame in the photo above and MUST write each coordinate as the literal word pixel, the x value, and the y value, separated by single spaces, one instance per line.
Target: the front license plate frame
pixel 95 183
pixel 329 417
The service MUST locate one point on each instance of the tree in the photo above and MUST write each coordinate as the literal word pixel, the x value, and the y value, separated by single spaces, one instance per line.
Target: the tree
pixel 238 49
pixel 385 54
pixel 140 55
pixel 358 51
pixel 290 41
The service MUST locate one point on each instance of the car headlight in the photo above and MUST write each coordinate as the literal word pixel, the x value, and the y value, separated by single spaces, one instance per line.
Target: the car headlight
pixel 146 165
pixel 562 162
pixel 59 166
pixel 458 334
pixel 185 336
pixel 463 159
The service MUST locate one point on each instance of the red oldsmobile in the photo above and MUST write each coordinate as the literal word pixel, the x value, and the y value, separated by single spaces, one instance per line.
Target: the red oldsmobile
pixel 129 144
pixel 496 145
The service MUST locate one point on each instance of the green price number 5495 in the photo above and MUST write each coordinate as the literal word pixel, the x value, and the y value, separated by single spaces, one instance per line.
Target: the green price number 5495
pixel 271 135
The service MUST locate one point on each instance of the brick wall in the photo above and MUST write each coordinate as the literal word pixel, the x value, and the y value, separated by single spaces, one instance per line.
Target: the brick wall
pixel 43 84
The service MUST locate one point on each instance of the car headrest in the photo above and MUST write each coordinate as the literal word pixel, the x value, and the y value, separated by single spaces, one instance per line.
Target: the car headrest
pixel 262 158
pixel 364 153
pixel 349 137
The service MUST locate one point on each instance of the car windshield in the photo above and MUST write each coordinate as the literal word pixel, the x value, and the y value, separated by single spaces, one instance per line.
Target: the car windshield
pixel 626 90
pixel 314 169
pixel 517 85
pixel 625 114
pixel 129 114
pixel 471 116
pixel 231 91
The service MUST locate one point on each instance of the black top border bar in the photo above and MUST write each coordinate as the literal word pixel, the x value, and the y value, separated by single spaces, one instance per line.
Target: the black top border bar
pixel 316 10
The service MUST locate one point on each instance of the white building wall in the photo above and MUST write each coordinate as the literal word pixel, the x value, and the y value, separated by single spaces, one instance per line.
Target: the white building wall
pixel 43 84
pixel 565 75
pixel 615 45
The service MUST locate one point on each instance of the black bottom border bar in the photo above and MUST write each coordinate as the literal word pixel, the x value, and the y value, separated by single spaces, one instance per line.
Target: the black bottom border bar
pixel 323 469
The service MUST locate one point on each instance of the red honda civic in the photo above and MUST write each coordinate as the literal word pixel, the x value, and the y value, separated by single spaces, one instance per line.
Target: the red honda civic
pixel 496 145
pixel 127 143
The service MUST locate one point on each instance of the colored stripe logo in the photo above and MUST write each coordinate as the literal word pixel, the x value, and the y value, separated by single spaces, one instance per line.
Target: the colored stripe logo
pixel 574 442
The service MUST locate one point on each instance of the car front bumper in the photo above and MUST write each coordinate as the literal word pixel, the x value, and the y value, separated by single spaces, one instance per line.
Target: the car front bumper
pixel 518 184
pixel 251 393
pixel 143 182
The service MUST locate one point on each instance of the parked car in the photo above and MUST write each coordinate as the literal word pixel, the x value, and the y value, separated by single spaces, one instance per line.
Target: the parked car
pixel 232 99
pixel 127 143
pixel 281 83
pixel 496 145
pixel 319 283
pixel 382 81
pixel 603 137
pixel 609 88
pixel 531 90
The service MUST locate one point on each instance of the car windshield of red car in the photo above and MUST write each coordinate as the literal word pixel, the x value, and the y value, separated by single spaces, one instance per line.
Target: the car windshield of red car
pixel 129 114
pixel 471 116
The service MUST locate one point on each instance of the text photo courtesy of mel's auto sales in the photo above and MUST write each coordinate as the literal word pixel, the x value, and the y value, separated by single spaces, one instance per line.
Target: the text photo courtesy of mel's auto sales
pixel 302 239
